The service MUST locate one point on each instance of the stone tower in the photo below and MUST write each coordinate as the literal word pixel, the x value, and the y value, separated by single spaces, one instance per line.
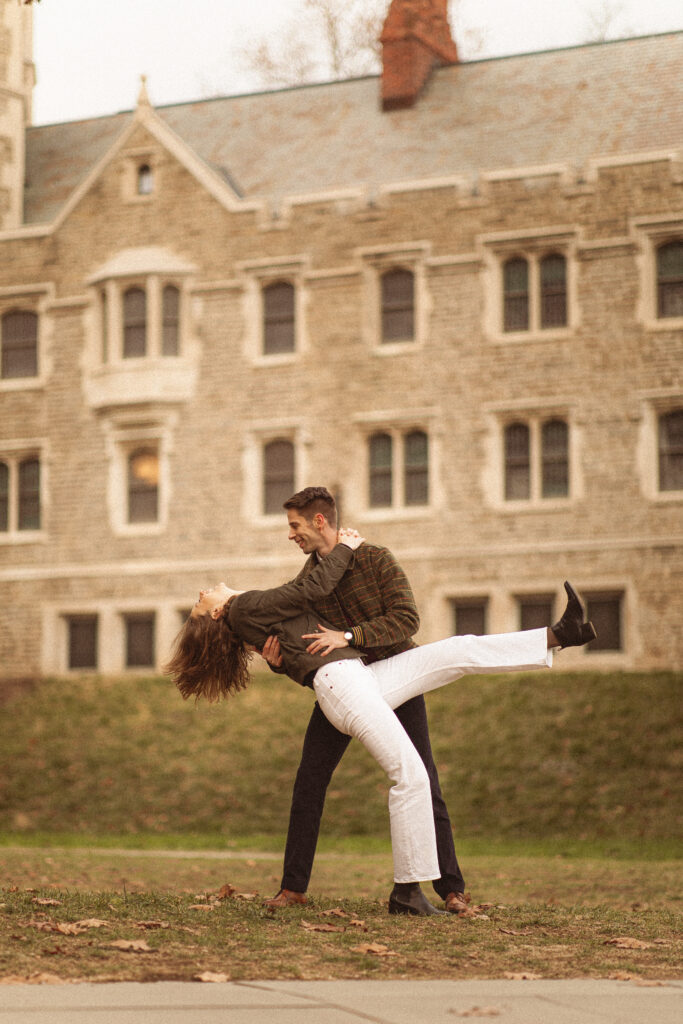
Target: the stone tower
pixel 17 77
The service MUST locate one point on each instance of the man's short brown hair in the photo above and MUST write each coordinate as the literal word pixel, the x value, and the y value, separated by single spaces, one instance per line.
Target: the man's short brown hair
pixel 313 501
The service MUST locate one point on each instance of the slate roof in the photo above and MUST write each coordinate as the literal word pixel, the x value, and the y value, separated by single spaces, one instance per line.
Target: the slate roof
pixel 557 106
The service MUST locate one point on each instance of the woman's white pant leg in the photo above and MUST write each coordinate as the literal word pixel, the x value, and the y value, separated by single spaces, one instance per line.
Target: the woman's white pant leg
pixel 433 665
pixel 348 695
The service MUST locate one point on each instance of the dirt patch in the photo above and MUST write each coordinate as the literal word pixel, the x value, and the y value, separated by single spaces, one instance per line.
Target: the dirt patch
pixel 12 688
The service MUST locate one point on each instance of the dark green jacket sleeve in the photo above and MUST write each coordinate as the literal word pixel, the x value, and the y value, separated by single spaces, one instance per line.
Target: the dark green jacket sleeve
pixel 286 601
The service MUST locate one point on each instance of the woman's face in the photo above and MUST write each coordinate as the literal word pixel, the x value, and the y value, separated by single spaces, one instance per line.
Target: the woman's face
pixel 211 601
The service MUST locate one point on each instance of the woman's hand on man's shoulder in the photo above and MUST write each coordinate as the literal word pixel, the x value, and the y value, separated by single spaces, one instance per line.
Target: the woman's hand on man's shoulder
pixel 351 538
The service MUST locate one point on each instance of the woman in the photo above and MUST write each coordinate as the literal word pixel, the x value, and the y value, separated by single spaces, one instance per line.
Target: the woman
pixel 211 658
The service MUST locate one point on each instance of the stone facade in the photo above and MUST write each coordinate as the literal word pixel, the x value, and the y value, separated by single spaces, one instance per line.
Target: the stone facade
pixel 156 433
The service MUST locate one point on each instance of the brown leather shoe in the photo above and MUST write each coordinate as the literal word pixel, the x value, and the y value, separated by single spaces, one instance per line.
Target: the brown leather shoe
pixel 456 903
pixel 286 898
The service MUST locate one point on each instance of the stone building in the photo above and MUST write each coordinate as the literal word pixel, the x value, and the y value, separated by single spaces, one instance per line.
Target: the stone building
pixel 452 293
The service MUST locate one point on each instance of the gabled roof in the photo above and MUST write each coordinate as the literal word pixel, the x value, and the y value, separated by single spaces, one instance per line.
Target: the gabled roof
pixel 564 106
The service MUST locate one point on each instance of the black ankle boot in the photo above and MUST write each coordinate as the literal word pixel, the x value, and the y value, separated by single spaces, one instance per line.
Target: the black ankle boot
pixel 571 630
pixel 408 898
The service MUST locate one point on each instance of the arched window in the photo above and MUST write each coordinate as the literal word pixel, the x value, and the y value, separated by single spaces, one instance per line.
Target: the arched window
pixel 380 467
pixel 170 321
pixel 517 462
pixel 554 459
pixel 516 294
pixel 19 344
pixel 278 318
pixel 4 497
pixel 553 291
pixel 143 485
pixel 278 475
pixel 416 468
pixel 29 495
pixel 398 305
pixel 670 279
pixel 145 180
pixel 671 451
pixel 134 323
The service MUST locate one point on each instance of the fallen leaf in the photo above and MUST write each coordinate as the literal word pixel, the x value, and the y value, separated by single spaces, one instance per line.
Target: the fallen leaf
pixel 225 891
pixel 211 976
pixel 335 912
pixel 620 976
pixel 376 948
pixel 625 942
pixel 320 927
pixel 92 922
pixel 245 896
pixel 151 925
pixel 522 976
pixel 358 924
pixel 134 946
pixel 201 906
pixel 45 902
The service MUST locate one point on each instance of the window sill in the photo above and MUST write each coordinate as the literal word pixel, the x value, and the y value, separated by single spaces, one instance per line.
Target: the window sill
pixel 519 337
pixel 23 537
pixel 664 323
pixel 535 505
pixel 394 348
pixel 276 359
pixel 22 383
pixel 406 513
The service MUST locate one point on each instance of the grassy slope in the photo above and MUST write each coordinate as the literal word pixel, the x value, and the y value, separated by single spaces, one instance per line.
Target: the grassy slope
pixel 575 755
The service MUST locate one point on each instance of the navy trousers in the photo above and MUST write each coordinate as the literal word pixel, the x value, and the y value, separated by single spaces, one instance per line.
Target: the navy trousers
pixel 323 749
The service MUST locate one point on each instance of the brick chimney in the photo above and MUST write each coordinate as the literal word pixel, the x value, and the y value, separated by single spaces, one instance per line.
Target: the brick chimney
pixel 415 39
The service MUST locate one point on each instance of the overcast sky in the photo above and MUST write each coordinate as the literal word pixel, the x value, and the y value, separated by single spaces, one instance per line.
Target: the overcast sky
pixel 90 53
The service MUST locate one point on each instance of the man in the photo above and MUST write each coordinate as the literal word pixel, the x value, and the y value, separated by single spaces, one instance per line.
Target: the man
pixel 375 608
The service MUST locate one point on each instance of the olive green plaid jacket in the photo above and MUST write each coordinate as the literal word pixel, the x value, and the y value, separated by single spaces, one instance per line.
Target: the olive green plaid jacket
pixel 375 600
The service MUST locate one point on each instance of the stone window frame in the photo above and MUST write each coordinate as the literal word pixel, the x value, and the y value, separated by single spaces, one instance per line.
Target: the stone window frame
pixel 255 439
pixel 650 233
pixel 111 634
pixel 375 263
pixel 653 406
pixel 133 162
pixel 256 276
pixel 109 299
pixel 533 246
pixel 124 435
pixel 534 414
pixel 13 454
pixel 30 299
pixel 398 425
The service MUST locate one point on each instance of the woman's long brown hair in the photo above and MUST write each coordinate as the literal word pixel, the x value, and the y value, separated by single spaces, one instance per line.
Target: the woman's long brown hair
pixel 208 660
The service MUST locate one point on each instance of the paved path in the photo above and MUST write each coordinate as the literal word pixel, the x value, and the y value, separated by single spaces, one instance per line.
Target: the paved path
pixel 345 1002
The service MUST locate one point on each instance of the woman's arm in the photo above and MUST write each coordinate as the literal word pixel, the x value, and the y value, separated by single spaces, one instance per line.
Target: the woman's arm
pixel 289 599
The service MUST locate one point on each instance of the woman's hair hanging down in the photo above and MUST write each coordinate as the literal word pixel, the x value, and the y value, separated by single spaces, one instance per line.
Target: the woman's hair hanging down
pixel 208 660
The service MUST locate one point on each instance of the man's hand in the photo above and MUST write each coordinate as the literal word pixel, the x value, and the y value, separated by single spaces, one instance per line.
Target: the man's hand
pixel 351 538
pixel 271 652
pixel 325 641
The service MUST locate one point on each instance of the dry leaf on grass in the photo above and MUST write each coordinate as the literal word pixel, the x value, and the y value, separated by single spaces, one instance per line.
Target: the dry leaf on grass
pixel 376 948
pixel 201 906
pixel 248 896
pixel 522 976
pixel 626 942
pixel 211 976
pixel 132 946
pixel 225 891
pixel 358 924
pixel 151 925
pixel 334 912
pixel 92 922
pixel 320 927
pixel 45 902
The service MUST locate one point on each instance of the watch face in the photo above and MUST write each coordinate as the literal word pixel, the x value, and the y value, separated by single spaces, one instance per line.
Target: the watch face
pixel 348 635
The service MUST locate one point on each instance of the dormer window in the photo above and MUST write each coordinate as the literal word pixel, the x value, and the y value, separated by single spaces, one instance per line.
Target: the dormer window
pixel 145 180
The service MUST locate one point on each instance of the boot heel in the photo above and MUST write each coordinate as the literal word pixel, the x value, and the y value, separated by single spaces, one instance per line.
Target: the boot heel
pixel 588 632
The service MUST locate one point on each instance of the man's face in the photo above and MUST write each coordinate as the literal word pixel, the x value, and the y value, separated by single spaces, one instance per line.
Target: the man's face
pixel 306 533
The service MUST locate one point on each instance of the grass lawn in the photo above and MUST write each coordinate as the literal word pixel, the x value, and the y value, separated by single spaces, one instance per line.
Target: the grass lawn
pixel 138 834
pixel 63 909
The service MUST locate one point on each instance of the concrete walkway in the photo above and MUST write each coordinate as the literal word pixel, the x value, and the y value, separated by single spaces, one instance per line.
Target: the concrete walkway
pixel 345 1002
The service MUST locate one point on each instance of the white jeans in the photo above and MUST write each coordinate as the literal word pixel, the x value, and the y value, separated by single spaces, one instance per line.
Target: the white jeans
pixel 358 700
